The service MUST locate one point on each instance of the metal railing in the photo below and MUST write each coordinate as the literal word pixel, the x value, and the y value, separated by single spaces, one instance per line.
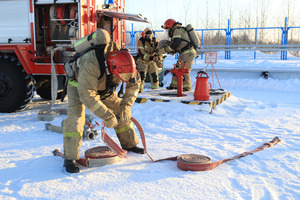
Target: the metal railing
pixel 284 47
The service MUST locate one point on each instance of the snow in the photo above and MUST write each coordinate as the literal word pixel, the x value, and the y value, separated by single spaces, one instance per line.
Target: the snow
pixel 257 111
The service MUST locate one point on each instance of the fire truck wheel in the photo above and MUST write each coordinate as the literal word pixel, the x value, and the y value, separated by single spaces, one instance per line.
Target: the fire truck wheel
pixel 16 87
pixel 44 89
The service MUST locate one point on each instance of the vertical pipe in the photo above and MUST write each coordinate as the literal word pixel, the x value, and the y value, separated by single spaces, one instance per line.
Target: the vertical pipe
pixel 255 42
pixel 226 40
pixel 202 44
pixel 285 38
pixel 282 38
pixel 229 29
pixel 132 36
pixel 287 41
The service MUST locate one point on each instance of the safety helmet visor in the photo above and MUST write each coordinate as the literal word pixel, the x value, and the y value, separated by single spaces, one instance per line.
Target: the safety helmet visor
pixel 126 77
pixel 148 32
pixel 122 65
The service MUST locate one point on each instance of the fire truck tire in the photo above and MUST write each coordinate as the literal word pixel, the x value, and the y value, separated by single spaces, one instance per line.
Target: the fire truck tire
pixel 44 90
pixel 16 87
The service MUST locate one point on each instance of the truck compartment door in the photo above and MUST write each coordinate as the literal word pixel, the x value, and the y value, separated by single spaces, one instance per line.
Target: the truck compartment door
pixel 121 15
pixel 14 21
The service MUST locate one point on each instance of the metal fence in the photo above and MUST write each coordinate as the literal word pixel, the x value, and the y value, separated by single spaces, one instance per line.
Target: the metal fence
pixel 283 47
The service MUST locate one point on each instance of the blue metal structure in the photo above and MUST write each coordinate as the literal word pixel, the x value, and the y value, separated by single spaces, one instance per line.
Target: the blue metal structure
pixel 109 2
pixel 202 35
pixel 228 34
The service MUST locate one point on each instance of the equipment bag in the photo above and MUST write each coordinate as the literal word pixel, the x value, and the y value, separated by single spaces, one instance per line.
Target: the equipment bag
pixel 193 36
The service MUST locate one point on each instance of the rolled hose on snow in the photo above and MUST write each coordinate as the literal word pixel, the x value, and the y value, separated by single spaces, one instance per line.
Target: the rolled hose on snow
pixel 185 162
pixel 99 156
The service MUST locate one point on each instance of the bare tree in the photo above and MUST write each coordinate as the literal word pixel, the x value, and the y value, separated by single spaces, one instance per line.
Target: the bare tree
pixel 207 8
pixel 186 6
pixel 219 14
pixel 197 15
pixel 263 16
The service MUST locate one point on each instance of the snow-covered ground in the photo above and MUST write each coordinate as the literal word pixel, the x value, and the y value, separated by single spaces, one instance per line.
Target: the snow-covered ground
pixel 257 111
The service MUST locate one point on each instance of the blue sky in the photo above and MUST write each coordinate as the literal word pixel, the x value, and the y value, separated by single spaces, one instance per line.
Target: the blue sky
pixel 215 13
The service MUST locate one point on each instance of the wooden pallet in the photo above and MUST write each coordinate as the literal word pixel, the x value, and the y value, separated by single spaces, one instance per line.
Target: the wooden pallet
pixel 163 95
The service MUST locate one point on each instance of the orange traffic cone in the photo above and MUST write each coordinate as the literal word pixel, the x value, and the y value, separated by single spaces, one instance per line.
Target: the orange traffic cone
pixel 201 91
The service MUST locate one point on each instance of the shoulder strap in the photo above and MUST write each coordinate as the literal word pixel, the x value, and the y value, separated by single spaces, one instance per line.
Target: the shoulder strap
pixel 189 43
pixel 99 50
pixel 143 41
pixel 77 55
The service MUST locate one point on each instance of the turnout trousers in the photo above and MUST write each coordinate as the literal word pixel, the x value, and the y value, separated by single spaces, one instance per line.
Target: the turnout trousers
pixel 150 67
pixel 186 58
pixel 73 126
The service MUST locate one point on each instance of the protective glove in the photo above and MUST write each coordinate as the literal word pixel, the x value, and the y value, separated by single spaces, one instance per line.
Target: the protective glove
pixel 163 44
pixel 125 114
pixel 111 121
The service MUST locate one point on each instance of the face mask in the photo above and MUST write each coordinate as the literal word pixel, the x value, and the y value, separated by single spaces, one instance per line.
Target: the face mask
pixel 148 39
pixel 170 32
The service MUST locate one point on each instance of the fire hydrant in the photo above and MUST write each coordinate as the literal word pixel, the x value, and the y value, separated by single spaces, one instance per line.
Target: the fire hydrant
pixel 179 72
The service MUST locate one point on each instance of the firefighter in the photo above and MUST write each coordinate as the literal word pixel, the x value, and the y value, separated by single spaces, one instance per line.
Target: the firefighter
pixel 180 43
pixel 94 89
pixel 149 58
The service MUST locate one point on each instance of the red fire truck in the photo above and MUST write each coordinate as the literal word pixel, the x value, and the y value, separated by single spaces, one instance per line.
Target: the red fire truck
pixel 37 33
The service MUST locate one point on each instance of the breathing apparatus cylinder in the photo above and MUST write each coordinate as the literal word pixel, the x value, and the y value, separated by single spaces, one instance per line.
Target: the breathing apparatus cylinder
pixel 100 37
pixel 193 35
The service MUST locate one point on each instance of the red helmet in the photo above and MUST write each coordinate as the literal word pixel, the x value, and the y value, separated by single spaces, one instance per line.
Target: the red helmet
pixel 169 23
pixel 122 65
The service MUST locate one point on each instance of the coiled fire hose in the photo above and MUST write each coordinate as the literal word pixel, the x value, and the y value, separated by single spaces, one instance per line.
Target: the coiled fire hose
pixel 104 155
pixel 186 162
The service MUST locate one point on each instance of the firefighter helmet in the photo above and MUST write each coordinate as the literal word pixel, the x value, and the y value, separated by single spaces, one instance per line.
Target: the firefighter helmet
pixel 122 65
pixel 147 31
pixel 169 23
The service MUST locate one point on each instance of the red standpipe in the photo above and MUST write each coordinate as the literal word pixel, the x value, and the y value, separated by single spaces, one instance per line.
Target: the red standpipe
pixel 179 74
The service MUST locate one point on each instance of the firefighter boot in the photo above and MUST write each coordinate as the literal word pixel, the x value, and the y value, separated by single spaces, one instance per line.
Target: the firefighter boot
pixel 143 77
pixel 171 88
pixel 187 89
pixel 135 149
pixel 142 87
pixel 154 81
pixel 71 166
pixel 173 85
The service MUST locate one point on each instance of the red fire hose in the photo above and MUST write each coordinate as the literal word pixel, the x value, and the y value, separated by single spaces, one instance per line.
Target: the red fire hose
pixel 103 155
pixel 186 162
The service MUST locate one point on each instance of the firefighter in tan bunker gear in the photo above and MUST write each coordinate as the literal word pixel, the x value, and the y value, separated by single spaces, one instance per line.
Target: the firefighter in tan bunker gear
pixel 88 90
pixel 180 43
pixel 149 58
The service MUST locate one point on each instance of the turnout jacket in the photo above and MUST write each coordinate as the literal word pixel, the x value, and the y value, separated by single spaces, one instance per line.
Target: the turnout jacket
pixel 180 41
pixel 148 49
pixel 89 85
